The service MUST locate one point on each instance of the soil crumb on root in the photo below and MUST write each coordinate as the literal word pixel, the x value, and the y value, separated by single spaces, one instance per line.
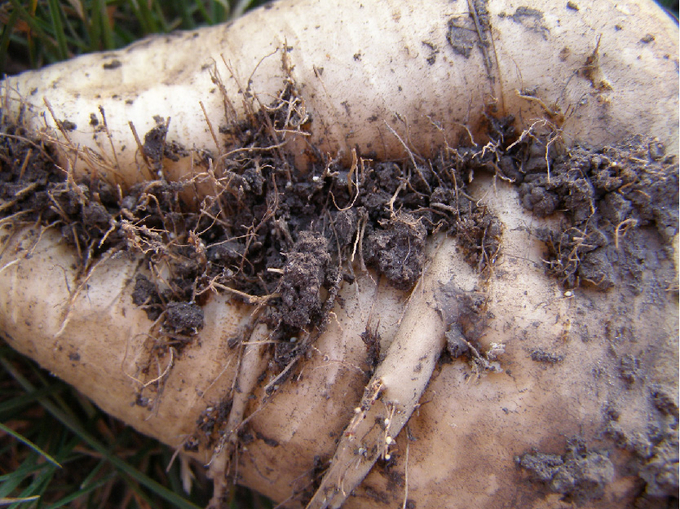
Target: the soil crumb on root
pixel 579 474
pixel 145 295
pixel 540 355
pixel 607 195
pixel 654 450
pixel 304 275
pixel 270 234
pixel 466 318
pixel 184 317
pixel 396 250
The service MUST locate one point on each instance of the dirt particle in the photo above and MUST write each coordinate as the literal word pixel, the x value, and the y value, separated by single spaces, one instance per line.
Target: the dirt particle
pixel 461 36
pixel 596 269
pixel 647 39
pixel 183 317
pixel 456 344
pixel 531 19
pixel 67 125
pixel 304 275
pixel 660 471
pixel 396 250
pixel 572 6
pixel 154 143
pixel 608 195
pixel 432 50
pixel 579 474
pixel 663 401
pixel 268 441
pixel 629 369
pixel 564 53
pixel 192 444
pixel 372 341
pixel 542 466
pixel 592 71
pixel 227 253
pixel 113 64
pixel 145 294
pixel 540 355
pixel 465 316
pixel 376 495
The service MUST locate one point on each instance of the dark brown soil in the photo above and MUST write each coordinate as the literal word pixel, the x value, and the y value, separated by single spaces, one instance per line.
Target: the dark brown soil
pixel 273 234
pixel 307 270
pixel 607 195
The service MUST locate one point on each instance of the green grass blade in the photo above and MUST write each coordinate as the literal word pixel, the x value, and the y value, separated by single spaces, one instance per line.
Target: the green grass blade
pixel 4 39
pixel 26 469
pixel 85 485
pixel 12 481
pixel 185 10
pixel 38 485
pixel 164 25
pixel 84 491
pixel 8 501
pixel 241 7
pixel 30 444
pixel 204 12
pixel 103 17
pixel 40 474
pixel 121 465
pixel 94 28
pixel 32 22
pixel 149 22
pixel 58 29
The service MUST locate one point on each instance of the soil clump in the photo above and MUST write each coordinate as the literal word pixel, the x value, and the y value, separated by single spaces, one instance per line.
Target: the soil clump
pixel 580 474
pixel 285 239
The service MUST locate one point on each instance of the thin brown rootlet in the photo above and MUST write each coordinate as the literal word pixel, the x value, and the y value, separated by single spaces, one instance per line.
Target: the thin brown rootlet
pixel 284 240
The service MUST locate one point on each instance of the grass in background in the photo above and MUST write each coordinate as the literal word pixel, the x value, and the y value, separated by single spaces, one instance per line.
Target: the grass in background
pixel 58 450
pixel 36 33
pixel 671 7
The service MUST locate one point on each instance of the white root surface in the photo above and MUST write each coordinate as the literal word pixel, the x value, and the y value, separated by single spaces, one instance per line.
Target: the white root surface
pixel 364 72
pixel 252 365
pixel 397 384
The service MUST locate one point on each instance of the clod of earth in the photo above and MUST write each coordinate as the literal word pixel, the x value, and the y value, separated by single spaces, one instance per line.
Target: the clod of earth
pixel 366 255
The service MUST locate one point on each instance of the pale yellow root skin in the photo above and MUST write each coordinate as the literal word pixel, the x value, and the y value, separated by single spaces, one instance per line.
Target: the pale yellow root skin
pixel 397 383
pixel 468 429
